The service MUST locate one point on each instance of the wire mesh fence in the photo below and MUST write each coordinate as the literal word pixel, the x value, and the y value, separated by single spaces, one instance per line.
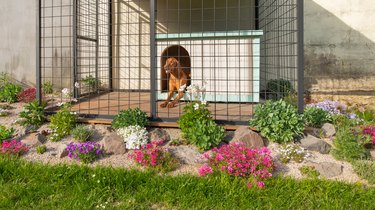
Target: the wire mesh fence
pixel 110 55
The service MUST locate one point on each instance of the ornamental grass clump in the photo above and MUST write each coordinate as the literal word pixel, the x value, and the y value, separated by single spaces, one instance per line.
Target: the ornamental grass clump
pixel 85 152
pixel 237 160
pixel 82 133
pixel 155 158
pixel 13 148
pixel 134 136
pixel 278 121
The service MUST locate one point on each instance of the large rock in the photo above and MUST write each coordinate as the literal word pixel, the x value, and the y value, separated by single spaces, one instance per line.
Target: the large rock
pixel 248 137
pixel 372 153
pixel 61 151
pixel 34 140
pixel 328 170
pixel 315 144
pixel 113 144
pixel 328 130
pixel 159 134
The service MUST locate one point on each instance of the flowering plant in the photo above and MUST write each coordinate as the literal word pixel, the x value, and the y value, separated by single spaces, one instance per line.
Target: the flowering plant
pixel 155 157
pixel 3 112
pixel 134 136
pixel 27 95
pixel 86 152
pixel 12 147
pixel 62 123
pixel 333 107
pixel 368 131
pixel 293 152
pixel 237 160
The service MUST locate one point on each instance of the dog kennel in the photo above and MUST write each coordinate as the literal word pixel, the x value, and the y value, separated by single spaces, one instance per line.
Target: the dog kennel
pixel 110 53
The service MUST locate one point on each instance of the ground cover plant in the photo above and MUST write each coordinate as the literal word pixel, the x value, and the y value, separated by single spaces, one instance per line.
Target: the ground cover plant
pixel 85 152
pixel 316 116
pixel 292 152
pixel 25 185
pixel 278 121
pixel 82 133
pixel 155 158
pixel 309 172
pixel 134 136
pixel 27 95
pixel 33 114
pixel 12 148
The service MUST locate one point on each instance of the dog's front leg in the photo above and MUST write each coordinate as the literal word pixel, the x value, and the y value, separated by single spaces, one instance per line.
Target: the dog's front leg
pixel 175 101
pixel 165 103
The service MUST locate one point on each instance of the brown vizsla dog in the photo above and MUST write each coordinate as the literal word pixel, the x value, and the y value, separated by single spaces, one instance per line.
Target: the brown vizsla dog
pixel 177 78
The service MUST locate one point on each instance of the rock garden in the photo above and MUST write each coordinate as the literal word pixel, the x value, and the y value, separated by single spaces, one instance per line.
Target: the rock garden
pixel 331 140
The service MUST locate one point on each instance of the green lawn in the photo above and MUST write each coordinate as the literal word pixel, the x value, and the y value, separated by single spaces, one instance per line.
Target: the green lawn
pixel 25 185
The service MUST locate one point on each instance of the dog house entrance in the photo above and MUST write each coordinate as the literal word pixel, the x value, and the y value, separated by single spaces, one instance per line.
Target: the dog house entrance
pixel 182 55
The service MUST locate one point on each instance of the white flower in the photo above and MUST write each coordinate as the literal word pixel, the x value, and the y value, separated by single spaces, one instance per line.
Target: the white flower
pixel 74 100
pixel 196 106
pixel 204 103
pixel 93 175
pixel 65 91
pixel 76 84
pixel 60 104
pixel 134 136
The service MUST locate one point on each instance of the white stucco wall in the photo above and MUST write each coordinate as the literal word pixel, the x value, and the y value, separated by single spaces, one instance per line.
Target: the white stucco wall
pixel 18 39
pixel 340 45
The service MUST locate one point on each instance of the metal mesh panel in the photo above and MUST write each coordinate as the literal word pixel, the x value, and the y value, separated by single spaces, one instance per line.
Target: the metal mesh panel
pixel 112 54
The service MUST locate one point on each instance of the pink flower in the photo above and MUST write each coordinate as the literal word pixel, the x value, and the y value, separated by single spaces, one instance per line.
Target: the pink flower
pixel 205 169
pixel 260 185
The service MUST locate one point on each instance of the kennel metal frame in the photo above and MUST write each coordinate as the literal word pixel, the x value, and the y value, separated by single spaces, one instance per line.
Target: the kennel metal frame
pixel 268 15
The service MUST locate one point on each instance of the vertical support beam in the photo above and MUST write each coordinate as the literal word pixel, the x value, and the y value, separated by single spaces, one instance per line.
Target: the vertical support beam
pixel 75 72
pixel 97 45
pixel 110 45
pixel 153 58
pixel 300 54
pixel 38 55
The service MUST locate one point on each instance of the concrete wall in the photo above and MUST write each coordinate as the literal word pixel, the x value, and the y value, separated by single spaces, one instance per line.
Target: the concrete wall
pixel 18 39
pixel 339 45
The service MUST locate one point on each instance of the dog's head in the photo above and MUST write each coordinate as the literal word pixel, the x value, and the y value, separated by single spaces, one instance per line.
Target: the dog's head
pixel 171 65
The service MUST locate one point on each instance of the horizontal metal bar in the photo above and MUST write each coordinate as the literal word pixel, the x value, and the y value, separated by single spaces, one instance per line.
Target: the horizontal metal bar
pixel 86 38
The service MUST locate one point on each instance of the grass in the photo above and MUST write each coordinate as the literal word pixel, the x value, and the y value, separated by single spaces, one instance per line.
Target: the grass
pixel 25 185
pixel 365 169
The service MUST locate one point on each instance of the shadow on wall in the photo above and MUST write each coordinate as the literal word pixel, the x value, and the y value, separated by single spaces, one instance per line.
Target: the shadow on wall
pixel 337 57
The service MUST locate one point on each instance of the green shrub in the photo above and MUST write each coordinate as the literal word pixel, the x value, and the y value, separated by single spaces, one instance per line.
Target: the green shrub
pixel 278 89
pixel 316 117
pixel 6 133
pixel 348 146
pixel 130 117
pixel 33 114
pixel 62 123
pixel 47 87
pixel 278 121
pixel 9 92
pixel 81 133
pixel 41 149
pixel 198 127
pixel 365 169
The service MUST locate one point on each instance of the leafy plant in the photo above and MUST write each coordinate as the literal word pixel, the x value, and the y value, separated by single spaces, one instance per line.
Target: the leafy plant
pixel 237 160
pixel 85 152
pixel 316 116
pixel 198 127
pixel 47 87
pixel 348 146
pixel 205 134
pixel 33 114
pixel 279 88
pixel 292 152
pixel 309 171
pixel 13 148
pixel 4 79
pixel 6 133
pixel 278 121
pixel 41 149
pixel 154 157
pixel 333 107
pixel 365 169
pixel 291 98
pixel 9 92
pixel 130 117
pixel 89 81
pixel 62 123
pixel 82 133
pixel 134 136
pixel 27 95
pixel 368 116
pixel 177 142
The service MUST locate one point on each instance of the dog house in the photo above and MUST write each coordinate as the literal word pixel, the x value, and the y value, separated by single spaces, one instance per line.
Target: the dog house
pixel 110 53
